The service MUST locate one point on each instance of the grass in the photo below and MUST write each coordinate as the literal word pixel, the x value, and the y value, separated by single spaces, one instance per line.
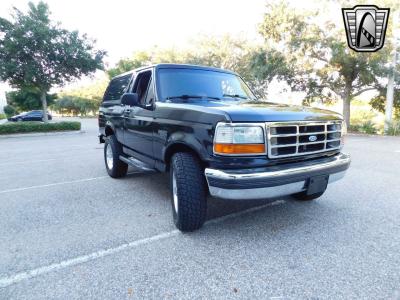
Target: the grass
pixel 2 116
pixel 28 127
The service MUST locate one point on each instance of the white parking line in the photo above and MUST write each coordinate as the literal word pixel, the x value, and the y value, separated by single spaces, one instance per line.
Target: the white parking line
pixel 51 184
pixel 9 280
pixel 29 161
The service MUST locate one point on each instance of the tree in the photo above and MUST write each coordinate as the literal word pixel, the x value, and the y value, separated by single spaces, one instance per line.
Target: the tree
pixel 36 53
pixel 325 68
pixel 9 111
pixel 226 52
pixel 92 93
pixel 378 102
pixel 139 59
pixel 27 99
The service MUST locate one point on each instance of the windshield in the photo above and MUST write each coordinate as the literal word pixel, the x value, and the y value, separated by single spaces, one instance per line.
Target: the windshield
pixel 190 84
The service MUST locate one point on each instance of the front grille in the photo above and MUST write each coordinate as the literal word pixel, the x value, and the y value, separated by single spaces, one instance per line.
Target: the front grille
pixel 302 138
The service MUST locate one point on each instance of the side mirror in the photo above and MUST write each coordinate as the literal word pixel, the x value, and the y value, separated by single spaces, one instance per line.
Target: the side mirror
pixel 130 99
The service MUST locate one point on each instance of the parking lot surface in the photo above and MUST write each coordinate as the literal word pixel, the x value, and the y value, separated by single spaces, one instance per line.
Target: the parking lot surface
pixel 68 231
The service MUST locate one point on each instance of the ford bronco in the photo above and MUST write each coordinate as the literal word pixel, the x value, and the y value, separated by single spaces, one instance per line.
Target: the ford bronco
pixel 207 129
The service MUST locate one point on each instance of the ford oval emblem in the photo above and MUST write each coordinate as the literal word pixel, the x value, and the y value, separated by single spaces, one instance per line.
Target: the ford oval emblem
pixel 312 138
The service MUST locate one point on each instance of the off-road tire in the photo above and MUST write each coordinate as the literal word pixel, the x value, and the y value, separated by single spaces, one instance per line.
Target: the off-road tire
pixel 191 191
pixel 119 168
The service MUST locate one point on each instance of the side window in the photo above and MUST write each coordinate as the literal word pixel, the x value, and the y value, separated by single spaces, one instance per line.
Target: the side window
pixel 142 85
pixel 116 88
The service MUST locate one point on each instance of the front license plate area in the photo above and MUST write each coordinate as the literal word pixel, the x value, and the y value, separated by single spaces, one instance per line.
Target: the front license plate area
pixel 317 184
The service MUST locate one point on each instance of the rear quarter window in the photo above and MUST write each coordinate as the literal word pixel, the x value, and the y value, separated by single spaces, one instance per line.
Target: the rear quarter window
pixel 116 88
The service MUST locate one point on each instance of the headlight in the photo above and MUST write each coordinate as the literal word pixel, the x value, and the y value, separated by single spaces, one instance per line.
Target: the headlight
pixel 231 139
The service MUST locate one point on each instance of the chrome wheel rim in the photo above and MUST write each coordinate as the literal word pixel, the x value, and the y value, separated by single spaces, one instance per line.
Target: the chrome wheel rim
pixel 175 192
pixel 109 157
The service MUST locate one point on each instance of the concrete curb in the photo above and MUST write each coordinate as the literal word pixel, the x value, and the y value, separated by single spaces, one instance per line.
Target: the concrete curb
pixel 34 134
pixel 372 135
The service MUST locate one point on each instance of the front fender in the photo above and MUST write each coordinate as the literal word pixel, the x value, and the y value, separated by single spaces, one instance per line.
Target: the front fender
pixel 186 139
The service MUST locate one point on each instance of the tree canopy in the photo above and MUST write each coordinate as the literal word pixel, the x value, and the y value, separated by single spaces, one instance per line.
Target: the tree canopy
pixel 255 63
pixel 27 99
pixel 36 53
pixel 325 68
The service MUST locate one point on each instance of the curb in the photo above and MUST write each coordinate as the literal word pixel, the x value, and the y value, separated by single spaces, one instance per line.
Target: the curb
pixel 34 134
pixel 371 135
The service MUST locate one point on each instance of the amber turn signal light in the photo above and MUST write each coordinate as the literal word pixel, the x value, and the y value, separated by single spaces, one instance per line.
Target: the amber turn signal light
pixel 239 148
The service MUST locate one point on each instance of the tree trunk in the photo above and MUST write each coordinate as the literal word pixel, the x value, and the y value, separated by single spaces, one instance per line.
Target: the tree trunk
pixel 44 106
pixel 346 104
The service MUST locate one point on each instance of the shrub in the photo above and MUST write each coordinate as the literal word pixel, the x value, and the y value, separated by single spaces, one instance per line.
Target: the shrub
pixel 2 116
pixel 354 128
pixel 368 127
pixel 25 127
pixel 394 128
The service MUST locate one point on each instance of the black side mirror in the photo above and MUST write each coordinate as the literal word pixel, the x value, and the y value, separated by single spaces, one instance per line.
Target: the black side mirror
pixel 130 99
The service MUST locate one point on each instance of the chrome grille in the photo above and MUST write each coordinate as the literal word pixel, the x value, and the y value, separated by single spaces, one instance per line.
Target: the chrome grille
pixel 287 139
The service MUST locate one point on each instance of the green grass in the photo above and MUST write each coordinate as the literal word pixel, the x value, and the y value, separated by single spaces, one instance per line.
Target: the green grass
pixel 2 116
pixel 27 127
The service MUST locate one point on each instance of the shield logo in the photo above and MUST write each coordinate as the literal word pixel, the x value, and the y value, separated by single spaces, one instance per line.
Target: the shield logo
pixel 365 27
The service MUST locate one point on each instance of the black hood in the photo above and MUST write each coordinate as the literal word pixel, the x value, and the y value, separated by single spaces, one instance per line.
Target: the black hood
pixel 258 111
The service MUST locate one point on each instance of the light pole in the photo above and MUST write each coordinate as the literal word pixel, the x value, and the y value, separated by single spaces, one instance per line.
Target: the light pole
pixel 392 75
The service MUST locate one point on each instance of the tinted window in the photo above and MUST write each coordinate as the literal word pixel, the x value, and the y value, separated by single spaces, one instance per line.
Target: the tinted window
pixel 204 83
pixel 116 88
pixel 142 85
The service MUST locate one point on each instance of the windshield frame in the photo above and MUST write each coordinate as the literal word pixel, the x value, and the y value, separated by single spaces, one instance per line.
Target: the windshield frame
pixel 222 99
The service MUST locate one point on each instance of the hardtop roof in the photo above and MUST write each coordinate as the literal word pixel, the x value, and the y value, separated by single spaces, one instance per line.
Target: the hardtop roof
pixel 175 66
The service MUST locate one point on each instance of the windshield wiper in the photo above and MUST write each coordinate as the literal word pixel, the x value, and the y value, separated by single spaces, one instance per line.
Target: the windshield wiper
pixel 185 97
pixel 234 96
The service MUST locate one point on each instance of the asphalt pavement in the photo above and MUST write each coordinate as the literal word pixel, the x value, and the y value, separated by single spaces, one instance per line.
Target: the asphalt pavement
pixel 68 231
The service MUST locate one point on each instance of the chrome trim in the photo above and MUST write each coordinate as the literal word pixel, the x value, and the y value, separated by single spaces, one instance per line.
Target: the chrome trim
pixel 336 177
pixel 259 124
pixel 279 190
pixel 297 124
pixel 259 193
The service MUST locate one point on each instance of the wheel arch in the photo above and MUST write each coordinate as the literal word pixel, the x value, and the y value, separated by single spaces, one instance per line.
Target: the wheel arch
pixel 179 147
pixel 108 130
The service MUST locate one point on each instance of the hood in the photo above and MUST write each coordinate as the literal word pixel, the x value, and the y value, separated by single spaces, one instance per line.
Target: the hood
pixel 258 111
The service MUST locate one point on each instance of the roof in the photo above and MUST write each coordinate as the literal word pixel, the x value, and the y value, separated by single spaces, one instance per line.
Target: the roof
pixel 177 66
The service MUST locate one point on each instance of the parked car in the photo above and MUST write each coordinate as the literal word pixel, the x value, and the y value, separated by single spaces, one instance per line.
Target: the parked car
pixel 34 115
pixel 207 129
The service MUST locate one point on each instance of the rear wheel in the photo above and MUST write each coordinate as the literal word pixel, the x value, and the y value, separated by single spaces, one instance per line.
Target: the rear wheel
pixel 115 167
pixel 188 192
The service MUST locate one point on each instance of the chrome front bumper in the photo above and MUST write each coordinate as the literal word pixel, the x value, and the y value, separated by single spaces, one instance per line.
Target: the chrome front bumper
pixel 274 181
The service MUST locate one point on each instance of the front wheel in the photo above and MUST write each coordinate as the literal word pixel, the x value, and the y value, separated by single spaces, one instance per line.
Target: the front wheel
pixel 188 189
pixel 115 167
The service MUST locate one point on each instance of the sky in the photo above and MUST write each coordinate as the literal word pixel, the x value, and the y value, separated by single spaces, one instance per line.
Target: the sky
pixel 121 27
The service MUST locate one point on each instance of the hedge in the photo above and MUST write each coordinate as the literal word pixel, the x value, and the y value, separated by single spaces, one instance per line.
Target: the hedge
pixel 25 127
